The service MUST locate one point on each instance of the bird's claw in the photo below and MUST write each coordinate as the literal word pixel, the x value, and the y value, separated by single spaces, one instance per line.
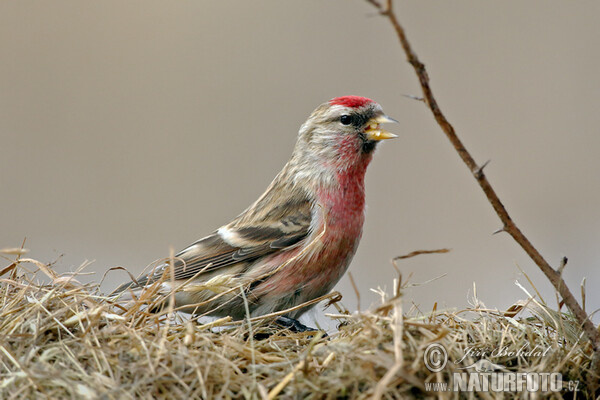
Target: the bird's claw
pixel 295 326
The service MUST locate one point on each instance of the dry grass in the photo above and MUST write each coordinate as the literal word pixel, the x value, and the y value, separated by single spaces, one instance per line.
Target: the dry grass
pixel 64 339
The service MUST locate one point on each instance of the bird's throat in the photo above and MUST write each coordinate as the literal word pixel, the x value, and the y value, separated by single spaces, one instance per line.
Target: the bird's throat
pixel 344 202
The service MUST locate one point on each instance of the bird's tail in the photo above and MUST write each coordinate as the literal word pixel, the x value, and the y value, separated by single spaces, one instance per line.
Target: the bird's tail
pixel 130 286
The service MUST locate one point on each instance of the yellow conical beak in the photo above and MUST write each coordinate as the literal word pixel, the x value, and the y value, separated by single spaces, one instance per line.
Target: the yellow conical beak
pixel 375 132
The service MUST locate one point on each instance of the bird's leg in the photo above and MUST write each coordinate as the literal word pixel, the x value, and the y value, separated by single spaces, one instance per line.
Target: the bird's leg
pixel 293 324
pixel 287 323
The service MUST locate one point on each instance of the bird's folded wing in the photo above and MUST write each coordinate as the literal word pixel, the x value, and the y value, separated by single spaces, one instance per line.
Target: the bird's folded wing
pixel 244 240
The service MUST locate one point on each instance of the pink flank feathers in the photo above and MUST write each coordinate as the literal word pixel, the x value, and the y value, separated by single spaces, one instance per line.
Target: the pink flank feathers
pixel 316 272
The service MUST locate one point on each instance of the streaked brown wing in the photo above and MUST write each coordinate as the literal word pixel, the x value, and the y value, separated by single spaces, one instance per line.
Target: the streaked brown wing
pixel 214 252
pixel 257 234
pixel 211 253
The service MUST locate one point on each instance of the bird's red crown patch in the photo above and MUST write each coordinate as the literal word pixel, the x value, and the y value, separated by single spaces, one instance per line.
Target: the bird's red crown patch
pixel 351 101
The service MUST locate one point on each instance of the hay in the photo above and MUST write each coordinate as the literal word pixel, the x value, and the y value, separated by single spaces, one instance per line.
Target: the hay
pixel 64 339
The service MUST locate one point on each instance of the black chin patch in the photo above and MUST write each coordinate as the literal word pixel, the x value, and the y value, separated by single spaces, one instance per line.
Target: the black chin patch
pixel 368 146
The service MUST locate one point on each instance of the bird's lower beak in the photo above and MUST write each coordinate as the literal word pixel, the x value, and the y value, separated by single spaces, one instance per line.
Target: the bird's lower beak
pixel 374 130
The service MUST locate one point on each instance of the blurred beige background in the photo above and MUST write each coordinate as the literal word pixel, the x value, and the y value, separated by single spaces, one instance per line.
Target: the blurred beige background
pixel 127 127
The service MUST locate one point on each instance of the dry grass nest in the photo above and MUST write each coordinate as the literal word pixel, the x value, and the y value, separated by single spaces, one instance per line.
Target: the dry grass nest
pixel 64 339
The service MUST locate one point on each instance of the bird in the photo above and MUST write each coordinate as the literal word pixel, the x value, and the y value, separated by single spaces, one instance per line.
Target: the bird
pixel 297 240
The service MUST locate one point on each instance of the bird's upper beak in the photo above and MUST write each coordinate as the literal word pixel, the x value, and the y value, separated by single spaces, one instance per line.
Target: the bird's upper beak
pixel 374 131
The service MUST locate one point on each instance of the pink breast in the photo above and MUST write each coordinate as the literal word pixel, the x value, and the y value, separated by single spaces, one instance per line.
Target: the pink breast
pixel 316 269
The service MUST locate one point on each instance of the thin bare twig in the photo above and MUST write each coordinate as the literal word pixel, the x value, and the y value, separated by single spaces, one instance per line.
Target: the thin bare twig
pixel 356 291
pixel 419 252
pixel 554 276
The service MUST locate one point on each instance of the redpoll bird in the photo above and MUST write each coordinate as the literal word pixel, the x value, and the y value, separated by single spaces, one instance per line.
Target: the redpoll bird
pixel 296 241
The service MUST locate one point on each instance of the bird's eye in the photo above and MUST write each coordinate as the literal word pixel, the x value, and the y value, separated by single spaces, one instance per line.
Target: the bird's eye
pixel 346 119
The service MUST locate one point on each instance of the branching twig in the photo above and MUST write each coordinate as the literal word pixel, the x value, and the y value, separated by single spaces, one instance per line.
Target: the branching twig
pixel 554 276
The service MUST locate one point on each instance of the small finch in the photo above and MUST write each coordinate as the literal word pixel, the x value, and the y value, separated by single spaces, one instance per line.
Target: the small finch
pixel 296 241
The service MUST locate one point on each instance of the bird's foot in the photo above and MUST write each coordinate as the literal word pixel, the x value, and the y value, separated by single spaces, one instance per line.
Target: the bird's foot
pixel 296 326
pixel 287 323
pixel 292 324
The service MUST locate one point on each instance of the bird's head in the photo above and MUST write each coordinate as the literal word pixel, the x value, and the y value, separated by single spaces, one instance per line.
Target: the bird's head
pixel 342 133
